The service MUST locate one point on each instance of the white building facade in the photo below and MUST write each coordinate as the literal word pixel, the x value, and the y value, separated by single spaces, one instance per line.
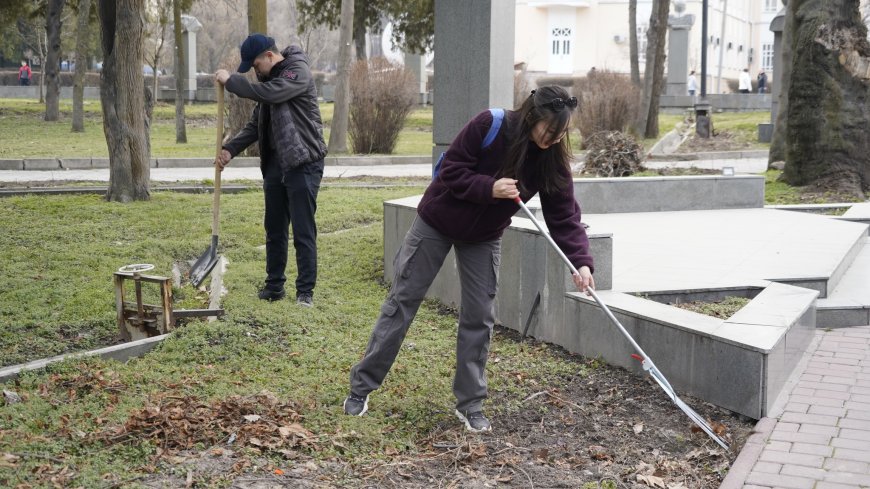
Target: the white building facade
pixel 570 37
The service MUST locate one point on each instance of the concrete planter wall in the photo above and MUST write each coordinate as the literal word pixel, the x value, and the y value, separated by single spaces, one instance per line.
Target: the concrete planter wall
pixel 741 363
pixel 662 194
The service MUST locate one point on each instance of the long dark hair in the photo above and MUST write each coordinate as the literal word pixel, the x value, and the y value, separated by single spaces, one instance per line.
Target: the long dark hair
pixel 540 106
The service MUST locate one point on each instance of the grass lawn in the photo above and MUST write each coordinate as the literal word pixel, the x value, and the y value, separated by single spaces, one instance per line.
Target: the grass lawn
pixel 26 135
pixel 57 255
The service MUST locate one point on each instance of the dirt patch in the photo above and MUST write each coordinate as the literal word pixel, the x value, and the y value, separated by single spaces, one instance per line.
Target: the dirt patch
pixel 604 427
pixel 719 141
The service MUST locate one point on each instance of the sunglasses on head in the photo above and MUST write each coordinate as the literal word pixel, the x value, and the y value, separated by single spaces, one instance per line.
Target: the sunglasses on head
pixel 559 103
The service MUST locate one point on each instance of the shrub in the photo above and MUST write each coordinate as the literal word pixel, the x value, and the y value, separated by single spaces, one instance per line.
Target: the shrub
pixel 608 102
pixel 382 94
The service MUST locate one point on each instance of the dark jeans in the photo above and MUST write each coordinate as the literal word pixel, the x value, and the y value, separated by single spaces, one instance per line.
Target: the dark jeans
pixel 291 199
pixel 24 82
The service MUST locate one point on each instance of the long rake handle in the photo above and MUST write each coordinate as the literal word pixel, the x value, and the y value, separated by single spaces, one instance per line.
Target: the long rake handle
pixel 216 204
pixel 574 271
pixel 654 372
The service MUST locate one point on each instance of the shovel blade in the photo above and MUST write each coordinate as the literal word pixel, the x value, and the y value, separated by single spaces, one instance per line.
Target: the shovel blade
pixel 204 264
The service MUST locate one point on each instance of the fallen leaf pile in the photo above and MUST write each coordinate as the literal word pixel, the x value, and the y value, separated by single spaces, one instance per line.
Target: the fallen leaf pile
pixel 178 423
pixel 612 154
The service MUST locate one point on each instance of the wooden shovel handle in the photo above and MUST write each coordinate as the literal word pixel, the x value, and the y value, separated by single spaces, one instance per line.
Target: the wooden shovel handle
pixel 216 209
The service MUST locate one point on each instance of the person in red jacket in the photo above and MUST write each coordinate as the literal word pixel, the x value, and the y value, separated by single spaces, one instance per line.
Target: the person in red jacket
pixel 467 207
pixel 24 74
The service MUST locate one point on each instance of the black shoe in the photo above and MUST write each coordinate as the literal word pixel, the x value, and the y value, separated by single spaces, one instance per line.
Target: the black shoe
pixel 356 405
pixel 475 422
pixel 271 295
pixel 305 299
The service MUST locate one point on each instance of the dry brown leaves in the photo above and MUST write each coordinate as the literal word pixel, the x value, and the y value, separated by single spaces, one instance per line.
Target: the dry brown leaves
pixel 612 154
pixel 82 382
pixel 179 422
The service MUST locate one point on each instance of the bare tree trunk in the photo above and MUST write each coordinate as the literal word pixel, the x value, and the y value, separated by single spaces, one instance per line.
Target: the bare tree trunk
pixel 359 40
pixel 647 124
pixel 180 92
pixel 51 67
pixel 257 17
pixel 122 93
pixel 338 132
pixel 83 32
pixel 827 145
pixel 632 42
pixel 777 144
pixel 41 42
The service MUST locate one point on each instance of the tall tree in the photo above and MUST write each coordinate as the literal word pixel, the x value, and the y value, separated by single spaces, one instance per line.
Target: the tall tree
pixel 778 143
pixel 51 68
pixel 122 93
pixel 180 92
pixel 827 144
pixel 647 124
pixel 413 20
pixel 338 130
pixel 83 34
pixel 257 18
pixel 632 42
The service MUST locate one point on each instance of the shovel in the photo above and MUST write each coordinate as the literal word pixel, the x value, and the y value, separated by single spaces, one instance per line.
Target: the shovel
pixel 206 262
pixel 646 362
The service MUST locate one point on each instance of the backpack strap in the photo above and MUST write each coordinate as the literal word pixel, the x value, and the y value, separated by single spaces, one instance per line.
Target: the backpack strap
pixel 497 118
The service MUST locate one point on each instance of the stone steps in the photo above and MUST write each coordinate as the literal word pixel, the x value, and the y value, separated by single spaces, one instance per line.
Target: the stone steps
pixel 849 302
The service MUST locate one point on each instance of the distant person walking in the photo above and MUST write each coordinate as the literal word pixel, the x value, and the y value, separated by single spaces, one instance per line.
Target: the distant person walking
pixel 24 74
pixel 692 83
pixel 744 83
pixel 762 82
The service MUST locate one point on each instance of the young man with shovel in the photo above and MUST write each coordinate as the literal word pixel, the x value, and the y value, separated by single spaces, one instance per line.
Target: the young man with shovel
pixel 286 124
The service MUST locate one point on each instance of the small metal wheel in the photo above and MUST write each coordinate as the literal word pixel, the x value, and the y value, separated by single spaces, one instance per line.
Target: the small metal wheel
pixel 136 268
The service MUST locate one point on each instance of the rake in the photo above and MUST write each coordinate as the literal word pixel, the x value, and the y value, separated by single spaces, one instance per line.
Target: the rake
pixel 646 362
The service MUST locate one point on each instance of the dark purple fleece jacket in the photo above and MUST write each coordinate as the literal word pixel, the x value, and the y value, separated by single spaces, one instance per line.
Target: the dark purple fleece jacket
pixel 459 202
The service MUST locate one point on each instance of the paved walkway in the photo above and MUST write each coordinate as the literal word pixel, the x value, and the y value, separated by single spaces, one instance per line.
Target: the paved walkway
pixel 821 439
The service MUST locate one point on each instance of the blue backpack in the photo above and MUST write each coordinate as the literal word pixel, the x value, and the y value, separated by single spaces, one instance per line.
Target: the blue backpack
pixel 497 118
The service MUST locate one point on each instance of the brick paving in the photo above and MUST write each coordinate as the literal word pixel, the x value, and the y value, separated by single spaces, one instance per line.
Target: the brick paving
pixel 821 440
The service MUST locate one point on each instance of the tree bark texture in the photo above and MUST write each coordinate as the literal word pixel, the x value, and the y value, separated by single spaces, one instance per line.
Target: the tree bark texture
pixel 648 122
pixel 338 133
pixel 777 144
pixel 51 69
pixel 122 94
pixel 257 17
pixel 180 92
pixel 827 143
pixel 83 34
pixel 632 42
pixel 359 40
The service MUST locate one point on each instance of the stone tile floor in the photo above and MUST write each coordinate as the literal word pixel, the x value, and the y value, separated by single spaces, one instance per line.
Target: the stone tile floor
pixel 821 439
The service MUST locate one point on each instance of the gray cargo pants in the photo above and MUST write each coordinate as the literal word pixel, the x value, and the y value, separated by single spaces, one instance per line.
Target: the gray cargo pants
pixel 416 264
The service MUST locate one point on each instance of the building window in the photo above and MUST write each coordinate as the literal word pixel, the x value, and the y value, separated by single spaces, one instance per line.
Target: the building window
pixel 771 5
pixel 767 57
pixel 562 40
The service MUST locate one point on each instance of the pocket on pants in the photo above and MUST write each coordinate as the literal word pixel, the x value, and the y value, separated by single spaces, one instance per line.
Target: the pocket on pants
pixel 496 261
pixel 404 263
pixel 389 307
